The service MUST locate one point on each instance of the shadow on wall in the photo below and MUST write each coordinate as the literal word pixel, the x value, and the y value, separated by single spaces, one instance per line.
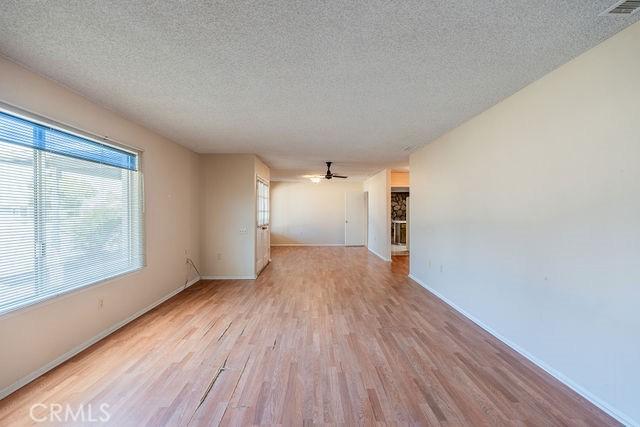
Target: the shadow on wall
pixel 283 239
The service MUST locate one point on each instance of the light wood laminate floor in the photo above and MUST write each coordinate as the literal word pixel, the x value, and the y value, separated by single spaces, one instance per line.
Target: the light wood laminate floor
pixel 326 335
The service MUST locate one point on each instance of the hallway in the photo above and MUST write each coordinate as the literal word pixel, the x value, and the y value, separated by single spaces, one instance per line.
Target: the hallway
pixel 325 335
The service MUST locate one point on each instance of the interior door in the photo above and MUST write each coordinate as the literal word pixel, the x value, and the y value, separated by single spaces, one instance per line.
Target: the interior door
pixel 354 218
pixel 262 230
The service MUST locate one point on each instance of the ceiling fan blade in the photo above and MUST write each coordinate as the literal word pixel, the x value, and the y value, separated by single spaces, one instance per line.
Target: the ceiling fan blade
pixel 340 176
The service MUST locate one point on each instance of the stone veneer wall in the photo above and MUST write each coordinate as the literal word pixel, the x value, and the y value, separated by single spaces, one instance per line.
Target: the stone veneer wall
pixel 399 206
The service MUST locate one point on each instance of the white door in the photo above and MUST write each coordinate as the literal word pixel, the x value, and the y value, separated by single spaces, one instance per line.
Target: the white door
pixel 354 218
pixel 262 230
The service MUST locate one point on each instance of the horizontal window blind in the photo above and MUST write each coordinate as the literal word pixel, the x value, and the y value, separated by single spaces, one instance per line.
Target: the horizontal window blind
pixel 70 212
pixel 16 130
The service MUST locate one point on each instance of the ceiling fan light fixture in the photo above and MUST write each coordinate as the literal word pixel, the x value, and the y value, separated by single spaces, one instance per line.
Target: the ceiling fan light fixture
pixel 331 175
pixel 315 179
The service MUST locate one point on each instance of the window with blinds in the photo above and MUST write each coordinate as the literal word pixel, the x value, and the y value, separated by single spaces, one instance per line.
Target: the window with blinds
pixel 263 203
pixel 70 212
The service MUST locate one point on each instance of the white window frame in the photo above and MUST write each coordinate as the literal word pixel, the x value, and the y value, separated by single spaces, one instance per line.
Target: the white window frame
pixel 259 195
pixel 45 121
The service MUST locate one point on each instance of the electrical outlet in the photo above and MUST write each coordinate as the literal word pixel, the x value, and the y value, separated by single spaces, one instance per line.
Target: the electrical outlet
pixel 243 230
pixel 100 303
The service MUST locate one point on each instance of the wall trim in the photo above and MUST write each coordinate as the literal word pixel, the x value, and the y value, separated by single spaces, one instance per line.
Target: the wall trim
pixel 192 282
pixel 600 403
pixel 83 346
pixel 378 255
pixel 307 244
pixel 231 277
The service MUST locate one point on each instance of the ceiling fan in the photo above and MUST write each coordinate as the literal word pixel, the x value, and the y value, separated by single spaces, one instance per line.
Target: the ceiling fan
pixel 330 174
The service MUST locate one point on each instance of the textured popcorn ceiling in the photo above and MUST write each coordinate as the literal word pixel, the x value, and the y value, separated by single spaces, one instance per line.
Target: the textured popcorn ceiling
pixel 301 82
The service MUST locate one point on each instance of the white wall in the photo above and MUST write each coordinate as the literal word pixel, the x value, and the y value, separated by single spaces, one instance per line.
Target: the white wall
pixel 309 214
pixel 533 211
pixel 229 214
pixel 378 188
pixel 33 337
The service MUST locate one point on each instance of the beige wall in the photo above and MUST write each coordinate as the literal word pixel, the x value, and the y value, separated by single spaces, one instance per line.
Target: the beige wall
pixel 305 213
pixel 229 214
pixel 33 337
pixel 527 217
pixel 379 214
pixel 399 179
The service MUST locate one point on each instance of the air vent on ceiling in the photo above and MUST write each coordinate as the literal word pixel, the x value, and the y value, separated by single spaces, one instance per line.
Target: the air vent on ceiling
pixel 625 7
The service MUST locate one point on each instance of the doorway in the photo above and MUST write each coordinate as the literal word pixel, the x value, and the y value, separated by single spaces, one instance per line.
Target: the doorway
pixel 354 218
pixel 399 220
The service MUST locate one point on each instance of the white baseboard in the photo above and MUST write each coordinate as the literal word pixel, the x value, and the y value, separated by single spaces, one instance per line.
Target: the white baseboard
pixel 193 281
pixel 379 256
pixel 600 403
pixel 77 349
pixel 232 277
pixel 307 244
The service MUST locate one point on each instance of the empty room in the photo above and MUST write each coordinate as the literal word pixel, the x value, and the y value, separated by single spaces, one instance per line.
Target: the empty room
pixel 320 213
